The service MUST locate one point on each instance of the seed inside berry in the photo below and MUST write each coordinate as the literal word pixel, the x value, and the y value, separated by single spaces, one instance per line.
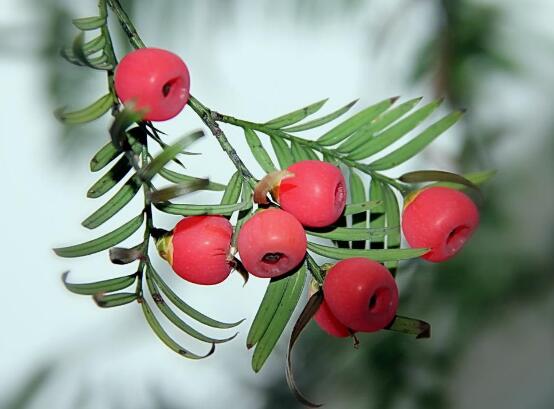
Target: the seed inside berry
pixel 272 258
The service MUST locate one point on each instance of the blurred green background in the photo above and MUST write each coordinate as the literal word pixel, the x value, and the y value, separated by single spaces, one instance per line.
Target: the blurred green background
pixel 491 308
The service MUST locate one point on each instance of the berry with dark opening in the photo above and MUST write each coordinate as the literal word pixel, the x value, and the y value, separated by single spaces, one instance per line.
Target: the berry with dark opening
pixel 315 195
pixel 271 243
pixel 156 80
pixel 197 249
pixel 441 219
pixel 361 294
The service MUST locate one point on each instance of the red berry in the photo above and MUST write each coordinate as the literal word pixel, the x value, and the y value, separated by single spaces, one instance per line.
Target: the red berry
pixel 199 248
pixel 315 195
pixel 361 293
pixel 271 243
pixel 441 219
pixel 329 323
pixel 156 80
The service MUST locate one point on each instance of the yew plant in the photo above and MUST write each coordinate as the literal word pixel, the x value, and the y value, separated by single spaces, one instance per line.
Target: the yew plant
pixel 264 225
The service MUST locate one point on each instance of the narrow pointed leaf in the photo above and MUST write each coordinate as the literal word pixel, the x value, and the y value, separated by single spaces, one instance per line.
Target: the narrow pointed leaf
pixel 286 307
pixel 176 177
pixel 103 157
pixel 104 286
pixel 114 300
pixel 381 122
pixel 123 120
pixel 271 300
pixel 232 191
pixel 168 154
pixel 176 320
pixel 111 178
pixel 410 326
pixel 258 151
pixel 392 220
pixel 295 116
pixel 305 317
pixel 377 255
pixel 377 218
pixel 436 176
pixel 417 144
pixel 357 195
pixel 114 205
pixel 184 307
pixel 89 23
pixel 323 120
pixel 302 152
pixel 353 233
pixel 477 178
pixel 80 54
pixel 354 208
pixel 351 125
pixel 394 133
pixel 90 113
pixel 197 210
pixel 177 190
pixel 166 339
pixel 103 242
pixel 282 151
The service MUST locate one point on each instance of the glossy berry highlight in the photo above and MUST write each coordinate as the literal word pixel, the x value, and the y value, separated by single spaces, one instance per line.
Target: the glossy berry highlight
pixel 271 243
pixel 441 219
pixel 155 80
pixel 197 249
pixel 315 195
pixel 361 294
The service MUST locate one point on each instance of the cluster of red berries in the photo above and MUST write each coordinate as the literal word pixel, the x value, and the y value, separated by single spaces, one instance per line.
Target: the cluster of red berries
pixel 359 294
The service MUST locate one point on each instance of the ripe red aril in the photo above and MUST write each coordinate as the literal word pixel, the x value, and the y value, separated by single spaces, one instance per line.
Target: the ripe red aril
pixel 315 195
pixel 361 294
pixel 197 249
pixel 329 323
pixel 441 219
pixel 155 80
pixel 271 243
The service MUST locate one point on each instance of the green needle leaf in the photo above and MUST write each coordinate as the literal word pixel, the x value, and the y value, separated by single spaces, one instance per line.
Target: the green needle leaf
pixel 437 176
pixel 286 307
pixel 377 255
pixel 105 286
pixel 111 178
pixel 232 192
pixel 377 216
pixel 351 125
pixel 272 297
pixel 148 172
pixel 477 178
pixel 282 151
pixel 410 326
pixel 89 23
pixel 90 113
pixel 103 157
pixel 197 210
pixel 302 152
pixel 114 205
pixel 354 208
pixel 353 233
pixel 381 122
pixel 395 132
pixel 184 307
pixel 392 220
pixel 166 339
pixel 174 318
pixel 103 242
pixel 122 255
pixel 258 150
pixel 357 195
pixel 123 120
pixel 417 144
pixel 114 300
pixel 180 189
pixel 323 120
pixel 180 178
pixel 295 116
pixel 305 317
